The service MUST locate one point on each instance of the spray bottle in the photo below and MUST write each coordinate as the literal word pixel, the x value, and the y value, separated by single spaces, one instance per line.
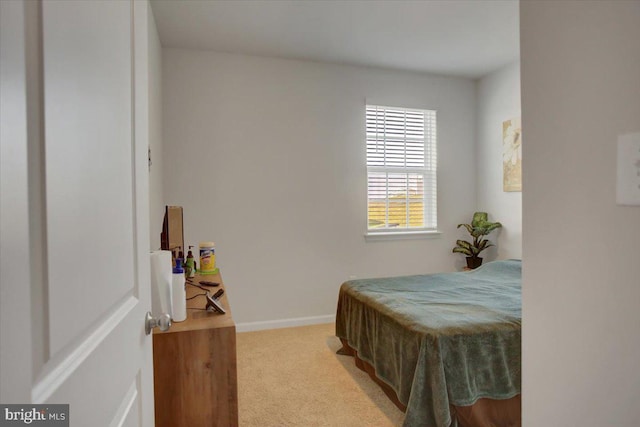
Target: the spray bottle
pixel 178 293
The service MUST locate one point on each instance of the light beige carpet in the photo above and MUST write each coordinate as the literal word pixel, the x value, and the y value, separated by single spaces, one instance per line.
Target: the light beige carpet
pixel 292 377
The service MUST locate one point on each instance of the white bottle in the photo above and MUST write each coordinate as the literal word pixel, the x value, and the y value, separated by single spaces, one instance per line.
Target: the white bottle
pixel 178 293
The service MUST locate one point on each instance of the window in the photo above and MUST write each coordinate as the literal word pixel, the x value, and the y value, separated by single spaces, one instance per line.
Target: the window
pixel 401 169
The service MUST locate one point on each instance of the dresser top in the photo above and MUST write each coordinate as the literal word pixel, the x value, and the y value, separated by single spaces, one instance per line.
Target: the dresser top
pixel 197 317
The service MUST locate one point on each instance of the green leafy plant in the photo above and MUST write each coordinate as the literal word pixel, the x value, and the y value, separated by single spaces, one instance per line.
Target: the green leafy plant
pixel 480 226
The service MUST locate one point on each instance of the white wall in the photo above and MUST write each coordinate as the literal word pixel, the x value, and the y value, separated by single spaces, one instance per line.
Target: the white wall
pixel 156 202
pixel 267 157
pixel 581 273
pixel 498 100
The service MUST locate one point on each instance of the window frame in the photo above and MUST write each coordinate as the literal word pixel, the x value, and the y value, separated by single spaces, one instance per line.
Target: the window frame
pixel 428 171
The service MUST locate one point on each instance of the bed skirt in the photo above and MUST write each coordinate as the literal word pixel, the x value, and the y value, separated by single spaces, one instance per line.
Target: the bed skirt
pixel 483 413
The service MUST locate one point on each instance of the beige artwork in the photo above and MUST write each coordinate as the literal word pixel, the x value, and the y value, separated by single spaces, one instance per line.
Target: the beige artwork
pixel 512 155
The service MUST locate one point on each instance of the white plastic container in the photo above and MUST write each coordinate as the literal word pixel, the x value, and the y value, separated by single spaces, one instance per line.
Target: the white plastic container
pixel 178 293
pixel 161 278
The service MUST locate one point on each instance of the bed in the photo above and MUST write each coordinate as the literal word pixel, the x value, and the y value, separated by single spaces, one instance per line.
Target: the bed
pixel 445 346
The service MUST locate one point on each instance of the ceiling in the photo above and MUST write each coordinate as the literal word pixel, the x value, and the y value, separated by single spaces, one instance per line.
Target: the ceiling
pixel 467 38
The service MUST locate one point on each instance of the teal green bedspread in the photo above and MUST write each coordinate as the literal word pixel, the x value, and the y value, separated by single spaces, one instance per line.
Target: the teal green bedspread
pixel 438 339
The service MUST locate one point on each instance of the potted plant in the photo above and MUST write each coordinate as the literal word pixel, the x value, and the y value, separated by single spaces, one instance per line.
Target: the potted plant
pixel 479 227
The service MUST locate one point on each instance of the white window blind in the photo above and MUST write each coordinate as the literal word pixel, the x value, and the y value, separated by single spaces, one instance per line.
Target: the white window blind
pixel 401 169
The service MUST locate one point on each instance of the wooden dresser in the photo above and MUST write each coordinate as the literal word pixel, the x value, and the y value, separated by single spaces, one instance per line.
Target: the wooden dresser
pixel 194 366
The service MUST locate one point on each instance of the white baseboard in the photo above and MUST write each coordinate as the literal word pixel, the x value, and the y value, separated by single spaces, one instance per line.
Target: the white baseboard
pixel 284 323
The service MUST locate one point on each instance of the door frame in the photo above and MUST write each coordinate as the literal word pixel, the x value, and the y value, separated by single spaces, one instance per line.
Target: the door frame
pixel 16 371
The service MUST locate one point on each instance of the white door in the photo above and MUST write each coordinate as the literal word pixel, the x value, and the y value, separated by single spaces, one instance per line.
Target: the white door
pixel 75 254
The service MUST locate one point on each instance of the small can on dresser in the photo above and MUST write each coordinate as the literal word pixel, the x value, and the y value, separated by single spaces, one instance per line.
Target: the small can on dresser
pixel 208 258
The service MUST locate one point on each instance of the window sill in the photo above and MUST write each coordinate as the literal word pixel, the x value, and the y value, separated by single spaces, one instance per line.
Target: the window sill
pixel 401 235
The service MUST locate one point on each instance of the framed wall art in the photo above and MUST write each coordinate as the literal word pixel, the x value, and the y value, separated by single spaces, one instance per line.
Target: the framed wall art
pixel 512 155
